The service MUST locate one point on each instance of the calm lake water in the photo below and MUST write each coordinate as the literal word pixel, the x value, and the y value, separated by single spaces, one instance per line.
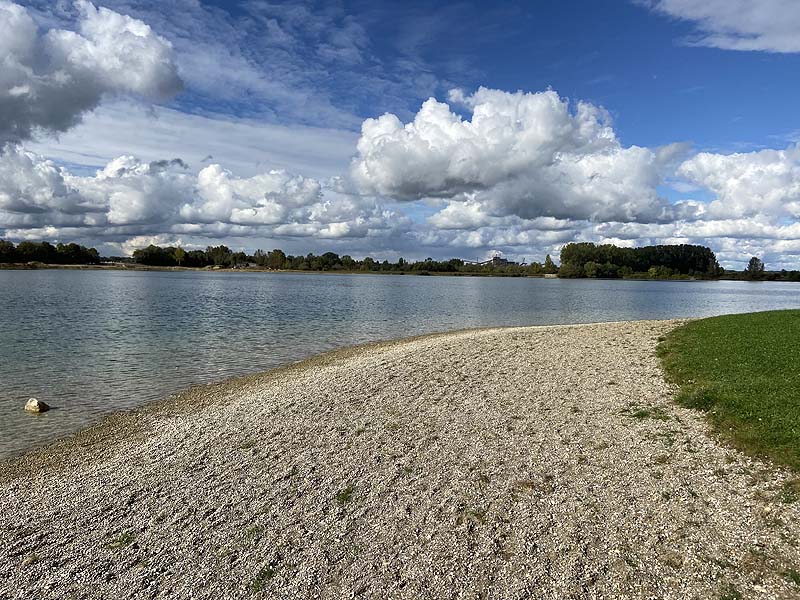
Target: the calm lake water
pixel 94 342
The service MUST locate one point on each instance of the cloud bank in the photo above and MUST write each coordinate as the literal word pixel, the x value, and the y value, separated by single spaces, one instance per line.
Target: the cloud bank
pixel 129 197
pixel 48 80
pixel 524 154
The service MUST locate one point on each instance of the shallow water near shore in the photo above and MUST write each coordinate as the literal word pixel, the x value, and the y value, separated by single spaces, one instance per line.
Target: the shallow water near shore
pixel 95 342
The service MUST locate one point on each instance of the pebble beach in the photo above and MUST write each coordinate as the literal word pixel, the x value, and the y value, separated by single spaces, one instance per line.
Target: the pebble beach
pixel 536 462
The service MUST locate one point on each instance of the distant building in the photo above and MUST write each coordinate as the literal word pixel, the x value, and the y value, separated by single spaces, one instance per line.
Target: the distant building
pixel 495 261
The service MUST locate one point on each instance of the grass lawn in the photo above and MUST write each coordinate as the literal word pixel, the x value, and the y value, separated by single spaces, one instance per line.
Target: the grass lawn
pixel 744 372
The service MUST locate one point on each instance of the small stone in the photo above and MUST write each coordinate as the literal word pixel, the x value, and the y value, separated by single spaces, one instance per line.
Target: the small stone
pixel 36 406
pixel 29 560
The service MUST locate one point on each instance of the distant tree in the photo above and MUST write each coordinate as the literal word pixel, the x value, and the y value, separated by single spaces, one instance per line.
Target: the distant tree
pixel 219 255
pixel 155 256
pixel 570 270
pixel 329 260
pixel 754 269
pixel 368 264
pixel 590 269
pixel 8 253
pixel 549 266
pixel 276 259
pixel 180 255
pixel 37 251
pixel 660 272
pixel 196 258
pixel 608 270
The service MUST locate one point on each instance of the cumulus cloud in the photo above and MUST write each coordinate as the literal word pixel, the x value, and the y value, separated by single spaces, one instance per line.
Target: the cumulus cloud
pixel 132 199
pixel 441 154
pixel 48 80
pixel 766 182
pixel 766 25
pixel 265 199
pixel 136 193
pixel 31 186
pixel 524 154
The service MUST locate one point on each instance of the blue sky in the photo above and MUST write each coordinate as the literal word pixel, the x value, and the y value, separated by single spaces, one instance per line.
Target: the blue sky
pixel 638 64
pixel 698 99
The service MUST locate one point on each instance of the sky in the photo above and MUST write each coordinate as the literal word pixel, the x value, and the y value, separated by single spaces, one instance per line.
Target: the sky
pixel 408 129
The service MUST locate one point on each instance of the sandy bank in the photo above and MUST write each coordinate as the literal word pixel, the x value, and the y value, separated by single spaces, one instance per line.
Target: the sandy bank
pixel 508 463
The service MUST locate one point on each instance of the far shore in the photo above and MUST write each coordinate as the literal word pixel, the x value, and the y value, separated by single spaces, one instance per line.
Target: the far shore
pixel 139 267
pixel 525 461
pixel 175 269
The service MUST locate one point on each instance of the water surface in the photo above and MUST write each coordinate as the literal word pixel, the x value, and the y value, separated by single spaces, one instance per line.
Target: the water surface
pixel 94 342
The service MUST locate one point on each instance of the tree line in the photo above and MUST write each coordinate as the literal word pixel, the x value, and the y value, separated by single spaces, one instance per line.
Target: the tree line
pixel 579 259
pixel 45 252
pixel 277 259
pixel 585 259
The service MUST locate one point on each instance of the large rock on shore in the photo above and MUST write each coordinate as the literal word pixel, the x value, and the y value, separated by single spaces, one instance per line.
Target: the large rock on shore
pixel 36 406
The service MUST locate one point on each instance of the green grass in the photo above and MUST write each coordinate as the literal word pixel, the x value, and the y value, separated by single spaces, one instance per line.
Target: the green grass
pixel 262 578
pixel 648 412
pixel 122 540
pixel 344 496
pixel 744 372
pixel 793 576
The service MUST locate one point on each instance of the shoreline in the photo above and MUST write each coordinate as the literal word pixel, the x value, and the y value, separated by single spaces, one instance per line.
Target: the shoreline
pixel 131 422
pixel 175 269
pixel 140 267
pixel 498 461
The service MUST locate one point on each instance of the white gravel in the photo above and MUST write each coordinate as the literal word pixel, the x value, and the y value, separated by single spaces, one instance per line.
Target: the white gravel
pixel 545 462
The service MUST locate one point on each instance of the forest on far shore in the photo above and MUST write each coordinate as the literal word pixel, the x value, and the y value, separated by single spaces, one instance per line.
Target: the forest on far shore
pixel 47 253
pixel 578 260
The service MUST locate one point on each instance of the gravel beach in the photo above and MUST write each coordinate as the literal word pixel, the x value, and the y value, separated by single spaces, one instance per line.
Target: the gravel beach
pixel 538 462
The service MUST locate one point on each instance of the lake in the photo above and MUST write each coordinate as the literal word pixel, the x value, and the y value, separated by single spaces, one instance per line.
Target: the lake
pixel 94 342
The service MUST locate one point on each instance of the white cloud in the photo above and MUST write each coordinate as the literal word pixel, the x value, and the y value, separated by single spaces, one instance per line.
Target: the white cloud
pixel 766 182
pixel 49 80
pixel 441 154
pixel 527 173
pixel 136 193
pixel 766 25
pixel 30 186
pixel 131 199
pixel 524 154
pixel 265 199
